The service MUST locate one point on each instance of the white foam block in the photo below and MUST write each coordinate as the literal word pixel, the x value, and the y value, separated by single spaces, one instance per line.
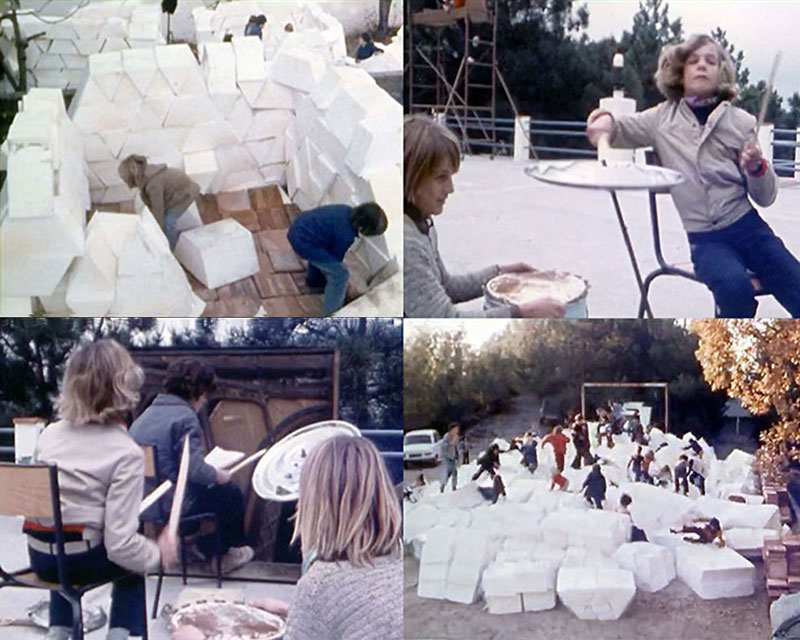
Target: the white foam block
pixel 595 593
pixel 219 253
pixel 201 167
pixel 207 136
pixel 714 573
pixel 301 70
pixel 652 565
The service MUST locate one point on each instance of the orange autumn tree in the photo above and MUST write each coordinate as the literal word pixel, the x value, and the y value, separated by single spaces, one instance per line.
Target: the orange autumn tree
pixel 758 362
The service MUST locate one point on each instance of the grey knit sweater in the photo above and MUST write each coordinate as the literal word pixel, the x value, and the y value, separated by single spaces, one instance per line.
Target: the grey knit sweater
pixel 429 291
pixel 337 601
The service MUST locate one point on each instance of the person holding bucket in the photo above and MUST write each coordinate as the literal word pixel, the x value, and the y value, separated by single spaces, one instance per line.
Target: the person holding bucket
pixel 430 158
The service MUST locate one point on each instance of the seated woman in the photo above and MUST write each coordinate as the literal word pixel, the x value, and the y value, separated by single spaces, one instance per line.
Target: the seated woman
pixel 430 158
pixel 165 424
pixel 349 524
pixel 323 235
pixel 166 192
pixel 100 494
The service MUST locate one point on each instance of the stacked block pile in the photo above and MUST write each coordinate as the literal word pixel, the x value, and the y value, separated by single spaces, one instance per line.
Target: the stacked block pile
pixel 782 565
pixel 58 58
pixel 312 28
pixel 545 546
pixel 43 202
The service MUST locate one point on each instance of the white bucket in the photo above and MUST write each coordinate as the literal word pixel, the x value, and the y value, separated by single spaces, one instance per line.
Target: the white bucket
pixel 26 434
pixel 518 288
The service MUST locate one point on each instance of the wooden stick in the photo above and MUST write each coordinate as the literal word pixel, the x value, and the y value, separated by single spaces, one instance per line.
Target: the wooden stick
pixel 154 495
pixel 180 490
pixel 247 460
pixel 762 112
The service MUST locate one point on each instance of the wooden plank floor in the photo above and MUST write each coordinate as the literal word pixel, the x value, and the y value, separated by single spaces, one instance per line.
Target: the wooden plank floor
pixel 280 285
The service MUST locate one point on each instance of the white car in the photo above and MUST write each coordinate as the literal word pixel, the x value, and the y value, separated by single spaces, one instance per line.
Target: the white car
pixel 422 445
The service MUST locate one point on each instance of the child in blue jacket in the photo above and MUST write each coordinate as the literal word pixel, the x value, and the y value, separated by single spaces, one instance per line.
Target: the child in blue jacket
pixel 323 235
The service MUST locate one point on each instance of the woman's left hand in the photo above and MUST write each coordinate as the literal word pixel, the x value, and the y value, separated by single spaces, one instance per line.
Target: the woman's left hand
pixel 750 157
pixel 517 267
pixel 273 605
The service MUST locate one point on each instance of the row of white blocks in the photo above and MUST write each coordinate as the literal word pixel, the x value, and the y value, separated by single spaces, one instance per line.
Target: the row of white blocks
pixel 43 200
pixel 58 57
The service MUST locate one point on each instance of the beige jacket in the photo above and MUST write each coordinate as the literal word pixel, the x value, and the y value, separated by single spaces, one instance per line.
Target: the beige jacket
pixel 715 192
pixel 101 480
pixel 167 190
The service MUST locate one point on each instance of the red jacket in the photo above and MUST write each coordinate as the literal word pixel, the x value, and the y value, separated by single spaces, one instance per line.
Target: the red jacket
pixel 559 442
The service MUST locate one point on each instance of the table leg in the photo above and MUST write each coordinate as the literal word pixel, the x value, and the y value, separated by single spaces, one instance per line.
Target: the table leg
pixel 631 254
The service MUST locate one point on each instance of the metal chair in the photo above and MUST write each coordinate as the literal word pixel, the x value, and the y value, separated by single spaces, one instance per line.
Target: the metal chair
pixel 188 526
pixel 682 270
pixel 32 491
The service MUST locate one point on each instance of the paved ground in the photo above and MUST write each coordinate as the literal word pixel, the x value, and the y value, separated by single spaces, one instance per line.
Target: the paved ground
pixel 498 214
pixel 15 602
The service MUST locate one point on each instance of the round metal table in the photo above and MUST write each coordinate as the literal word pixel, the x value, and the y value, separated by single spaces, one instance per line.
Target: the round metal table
pixel 613 177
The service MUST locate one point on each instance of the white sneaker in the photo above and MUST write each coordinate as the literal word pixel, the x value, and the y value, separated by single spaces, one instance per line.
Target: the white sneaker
pixel 236 558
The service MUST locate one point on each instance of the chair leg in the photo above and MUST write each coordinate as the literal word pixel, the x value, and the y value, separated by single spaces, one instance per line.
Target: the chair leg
pixel 77 618
pixel 145 630
pixel 219 553
pixel 183 559
pixel 158 590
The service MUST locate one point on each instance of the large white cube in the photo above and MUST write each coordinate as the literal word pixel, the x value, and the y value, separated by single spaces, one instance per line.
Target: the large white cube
pixel 595 593
pixel 219 253
pixel 652 565
pixel 714 573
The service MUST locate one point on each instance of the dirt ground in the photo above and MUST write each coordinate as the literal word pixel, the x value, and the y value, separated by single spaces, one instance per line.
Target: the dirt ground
pixel 675 612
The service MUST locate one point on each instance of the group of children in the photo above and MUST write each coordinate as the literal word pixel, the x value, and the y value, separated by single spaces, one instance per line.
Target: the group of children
pixel 321 236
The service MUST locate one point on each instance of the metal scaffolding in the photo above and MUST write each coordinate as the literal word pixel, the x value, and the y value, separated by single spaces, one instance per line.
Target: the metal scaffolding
pixel 456 82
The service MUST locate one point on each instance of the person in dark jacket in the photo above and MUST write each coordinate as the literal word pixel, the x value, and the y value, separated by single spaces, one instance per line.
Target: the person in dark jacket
pixel 255 26
pixel 488 462
pixel 165 424
pixel 594 487
pixel 323 235
pixel 682 475
pixel 367 48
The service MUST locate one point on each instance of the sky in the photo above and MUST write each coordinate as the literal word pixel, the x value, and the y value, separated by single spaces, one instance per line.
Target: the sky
pixel 758 28
pixel 476 331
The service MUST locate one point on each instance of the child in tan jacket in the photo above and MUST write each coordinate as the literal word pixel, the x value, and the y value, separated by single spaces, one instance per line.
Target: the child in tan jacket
pixel 166 192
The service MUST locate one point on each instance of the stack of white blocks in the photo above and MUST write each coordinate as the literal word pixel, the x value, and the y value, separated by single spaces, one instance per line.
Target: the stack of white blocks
pixel 595 592
pixel 43 202
pixel 312 28
pixel 514 587
pixel 452 563
pixel 652 565
pixel 129 270
pixel 58 58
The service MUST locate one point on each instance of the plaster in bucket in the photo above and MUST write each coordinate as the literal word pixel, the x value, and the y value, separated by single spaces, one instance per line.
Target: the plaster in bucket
pixel 518 288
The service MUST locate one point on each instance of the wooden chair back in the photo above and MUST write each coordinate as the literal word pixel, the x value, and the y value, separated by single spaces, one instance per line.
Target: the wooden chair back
pixel 27 490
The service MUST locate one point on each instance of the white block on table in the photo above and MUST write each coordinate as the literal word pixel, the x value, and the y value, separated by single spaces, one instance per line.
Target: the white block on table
pixel 298 69
pixel 652 565
pixel 219 253
pixel 714 573
pixel 595 593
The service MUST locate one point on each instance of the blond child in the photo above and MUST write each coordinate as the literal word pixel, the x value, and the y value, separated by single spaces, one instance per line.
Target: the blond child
pixel 699 133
